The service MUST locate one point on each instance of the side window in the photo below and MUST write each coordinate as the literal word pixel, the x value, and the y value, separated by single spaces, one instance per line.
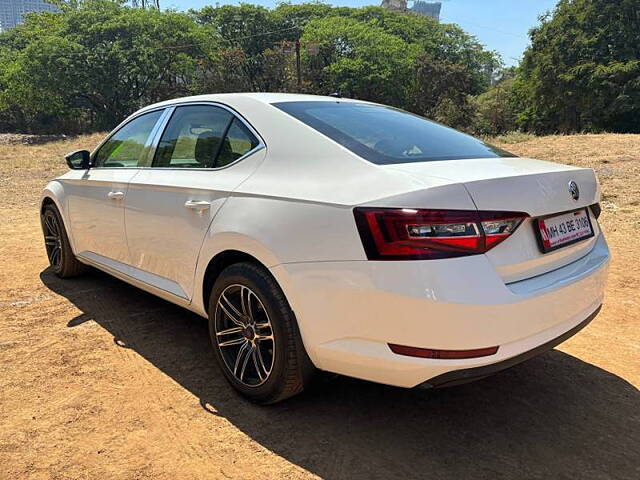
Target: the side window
pixel 203 136
pixel 193 137
pixel 125 148
pixel 239 141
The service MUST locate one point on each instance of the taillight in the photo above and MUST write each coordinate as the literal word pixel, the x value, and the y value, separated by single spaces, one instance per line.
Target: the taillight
pixel 412 234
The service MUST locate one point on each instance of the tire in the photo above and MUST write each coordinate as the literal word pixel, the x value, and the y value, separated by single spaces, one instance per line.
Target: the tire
pixel 269 370
pixel 61 258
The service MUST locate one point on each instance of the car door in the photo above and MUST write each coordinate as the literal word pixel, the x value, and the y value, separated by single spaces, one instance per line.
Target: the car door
pixel 204 152
pixel 95 200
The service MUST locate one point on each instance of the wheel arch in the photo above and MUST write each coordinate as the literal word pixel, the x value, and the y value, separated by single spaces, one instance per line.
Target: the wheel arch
pixel 231 256
pixel 53 194
pixel 50 196
pixel 46 201
pixel 217 264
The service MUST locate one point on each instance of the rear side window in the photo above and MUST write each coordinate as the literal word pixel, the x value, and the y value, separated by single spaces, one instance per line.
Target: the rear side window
pixel 126 147
pixel 385 135
pixel 203 136
pixel 239 141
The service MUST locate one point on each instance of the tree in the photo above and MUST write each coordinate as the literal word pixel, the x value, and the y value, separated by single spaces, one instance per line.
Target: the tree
pixel 495 110
pixel 441 91
pixel 410 61
pixel 371 53
pixel 96 61
pixel 359 59
pixel 582 70
pixel 245 27
pixel 102 58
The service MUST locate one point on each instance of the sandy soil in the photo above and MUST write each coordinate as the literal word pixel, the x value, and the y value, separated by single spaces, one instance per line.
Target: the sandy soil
pixel 100 380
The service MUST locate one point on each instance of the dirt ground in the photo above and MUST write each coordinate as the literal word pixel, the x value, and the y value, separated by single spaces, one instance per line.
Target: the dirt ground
pixel 101 380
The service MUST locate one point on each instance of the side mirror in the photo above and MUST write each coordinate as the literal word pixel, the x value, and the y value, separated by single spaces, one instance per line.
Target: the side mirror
pixel 78 160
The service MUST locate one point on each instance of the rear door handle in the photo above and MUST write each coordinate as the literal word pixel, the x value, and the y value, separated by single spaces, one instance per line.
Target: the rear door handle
pixel 115 195
pixel 198 205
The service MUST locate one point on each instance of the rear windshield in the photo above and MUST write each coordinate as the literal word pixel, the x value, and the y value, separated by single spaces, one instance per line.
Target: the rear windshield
pixel 386 135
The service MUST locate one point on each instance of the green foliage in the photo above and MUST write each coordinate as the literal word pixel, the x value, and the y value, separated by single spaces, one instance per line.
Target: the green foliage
pixel 96 61
pixel 582 71
pixel 495 109
pixel 358 58
pixel 96 64
pixel 369 53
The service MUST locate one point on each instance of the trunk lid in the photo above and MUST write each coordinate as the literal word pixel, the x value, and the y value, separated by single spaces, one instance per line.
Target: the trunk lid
pixel 535 187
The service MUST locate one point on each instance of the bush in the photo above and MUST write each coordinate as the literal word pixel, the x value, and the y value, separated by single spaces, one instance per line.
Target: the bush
pixel 495 112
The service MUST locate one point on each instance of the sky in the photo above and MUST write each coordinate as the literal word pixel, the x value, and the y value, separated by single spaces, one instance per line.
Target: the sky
pixel 500 25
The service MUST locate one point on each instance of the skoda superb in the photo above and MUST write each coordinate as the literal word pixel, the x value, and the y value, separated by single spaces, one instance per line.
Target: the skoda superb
pixel 321 233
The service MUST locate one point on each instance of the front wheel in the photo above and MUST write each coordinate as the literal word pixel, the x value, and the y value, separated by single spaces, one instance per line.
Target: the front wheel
pixel 255 335
pixel 61 257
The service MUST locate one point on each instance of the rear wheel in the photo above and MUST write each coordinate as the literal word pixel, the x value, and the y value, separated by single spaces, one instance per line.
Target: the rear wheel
pixel 255 335
pixel 61 257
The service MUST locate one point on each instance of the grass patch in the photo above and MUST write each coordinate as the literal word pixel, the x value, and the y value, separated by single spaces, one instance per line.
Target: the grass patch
pixel 47 155
pixel 512 137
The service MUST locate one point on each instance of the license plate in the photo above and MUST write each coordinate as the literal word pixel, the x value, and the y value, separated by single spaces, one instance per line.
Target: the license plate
pixel 561 230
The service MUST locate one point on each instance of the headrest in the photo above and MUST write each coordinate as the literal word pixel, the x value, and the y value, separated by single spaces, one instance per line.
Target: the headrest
pixel 226 155
pixel 206 147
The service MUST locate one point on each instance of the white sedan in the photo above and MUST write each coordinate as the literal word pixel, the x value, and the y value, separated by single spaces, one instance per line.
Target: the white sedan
pixel 322 233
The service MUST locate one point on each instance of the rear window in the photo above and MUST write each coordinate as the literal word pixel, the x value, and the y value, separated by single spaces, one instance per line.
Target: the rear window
pixel 386 135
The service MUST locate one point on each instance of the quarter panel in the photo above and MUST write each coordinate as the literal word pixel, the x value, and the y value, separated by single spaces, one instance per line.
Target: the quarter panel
pixel 278 230
pixel 293 230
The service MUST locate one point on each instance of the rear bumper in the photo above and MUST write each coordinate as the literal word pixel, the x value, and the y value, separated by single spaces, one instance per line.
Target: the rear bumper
pixel 348 312
pixel 457 377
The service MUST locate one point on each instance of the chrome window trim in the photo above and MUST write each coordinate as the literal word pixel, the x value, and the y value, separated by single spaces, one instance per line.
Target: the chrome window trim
pixel 156 133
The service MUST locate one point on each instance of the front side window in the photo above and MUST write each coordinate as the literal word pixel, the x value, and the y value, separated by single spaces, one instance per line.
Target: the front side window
pixel 126 147
pixel 203 136
pixel 385 135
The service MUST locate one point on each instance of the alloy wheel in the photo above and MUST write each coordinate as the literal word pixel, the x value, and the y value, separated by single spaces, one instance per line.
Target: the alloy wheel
pixel 53 238
pixel 244 335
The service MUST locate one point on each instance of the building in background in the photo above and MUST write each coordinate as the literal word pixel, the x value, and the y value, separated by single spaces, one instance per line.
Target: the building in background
pixel 430 9
pixel 145 3
pixel 12 11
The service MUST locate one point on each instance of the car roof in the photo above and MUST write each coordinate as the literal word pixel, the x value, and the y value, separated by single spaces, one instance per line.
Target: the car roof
pixel 260 97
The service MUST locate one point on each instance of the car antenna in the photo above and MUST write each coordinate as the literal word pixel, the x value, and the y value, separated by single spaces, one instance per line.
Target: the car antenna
pixel 336 94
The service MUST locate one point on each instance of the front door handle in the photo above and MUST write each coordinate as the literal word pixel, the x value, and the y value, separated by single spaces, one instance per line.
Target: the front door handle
pixel 115 195
pixel 198 205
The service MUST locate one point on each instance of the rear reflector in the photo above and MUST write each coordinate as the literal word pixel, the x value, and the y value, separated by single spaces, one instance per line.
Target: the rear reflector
pixel 441 354
pixel 412 234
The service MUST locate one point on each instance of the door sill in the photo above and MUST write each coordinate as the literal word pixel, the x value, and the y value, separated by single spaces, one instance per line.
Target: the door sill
pixel 145 280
